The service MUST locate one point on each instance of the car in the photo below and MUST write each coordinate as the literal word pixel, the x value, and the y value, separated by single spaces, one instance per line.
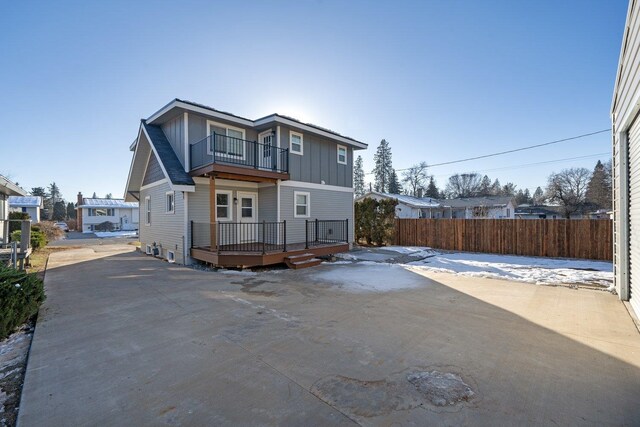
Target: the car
pixel 62 226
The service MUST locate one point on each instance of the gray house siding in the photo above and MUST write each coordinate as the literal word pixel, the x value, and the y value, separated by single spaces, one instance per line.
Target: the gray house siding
pixel 319 161
pixel 174 131
pixel 324 205
pixel 154 171
pixel 166 229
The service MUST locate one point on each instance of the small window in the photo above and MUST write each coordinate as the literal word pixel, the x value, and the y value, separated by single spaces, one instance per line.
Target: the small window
pixel 171 256
pixel 296 144
pixel 171 202
pixel 148 249
pixel 223 205
pixel 342 155
pixel 147 207
pixel 301 204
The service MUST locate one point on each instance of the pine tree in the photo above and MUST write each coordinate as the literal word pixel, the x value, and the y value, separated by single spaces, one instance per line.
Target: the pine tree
pixel 496 188
pixel 394 183
pixel 383 168
pixel 599 194
pixel 432 189
pixel 358 177
pixel 54 196
pixel 485 187
pixel 509 189
pixel 71 210
pixel 538 197
pixel 59 211
pixel 109 196
pixel 95 196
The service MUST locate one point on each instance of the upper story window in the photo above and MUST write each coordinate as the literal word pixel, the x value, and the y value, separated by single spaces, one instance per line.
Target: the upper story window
pixel 228 141
pixel 296 143
pixel 170 202
pixel 342 154
pixel 223 205
pixel 101 212
pixel 301 204
pixel 147 207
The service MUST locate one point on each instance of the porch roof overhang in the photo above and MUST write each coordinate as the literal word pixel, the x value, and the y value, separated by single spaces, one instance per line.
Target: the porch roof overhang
pixel 239 173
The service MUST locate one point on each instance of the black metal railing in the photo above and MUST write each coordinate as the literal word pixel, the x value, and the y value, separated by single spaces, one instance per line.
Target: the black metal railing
pixel 259 237
pixel 323 232
pixel 223 149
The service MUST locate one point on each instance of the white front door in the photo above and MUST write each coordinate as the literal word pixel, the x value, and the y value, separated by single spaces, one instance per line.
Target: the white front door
pixel 247 217
pixel 266 153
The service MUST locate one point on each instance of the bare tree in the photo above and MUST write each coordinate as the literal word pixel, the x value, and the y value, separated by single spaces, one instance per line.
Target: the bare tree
pixel 463 185
pixel 569 187
pixel 415 178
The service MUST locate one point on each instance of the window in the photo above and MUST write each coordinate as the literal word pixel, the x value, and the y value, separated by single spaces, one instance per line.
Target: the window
pixel 227 140
pixel 170 202
pixel 247 207
pixel 508 212
pixel 342 154
pixel 101 212
pixel 171 256
pixel 296 144
pixel 147 208
pixel 301 204
pixel 148 250
pixel 223 205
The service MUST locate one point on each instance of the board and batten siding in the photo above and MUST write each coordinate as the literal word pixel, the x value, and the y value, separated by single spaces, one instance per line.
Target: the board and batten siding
pixel 198 128
pixel 623 112
pixel 174 131
pixel 319 161
pixel 166 229
pixel 324 205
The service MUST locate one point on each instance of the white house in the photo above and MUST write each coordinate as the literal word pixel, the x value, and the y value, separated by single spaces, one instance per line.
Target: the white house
pixel 408 206
pixel 92 212
pixel 7 189
pixel 626 163
pixel 28 204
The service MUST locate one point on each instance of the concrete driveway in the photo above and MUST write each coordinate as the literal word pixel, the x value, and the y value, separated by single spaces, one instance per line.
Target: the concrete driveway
pixel 127 339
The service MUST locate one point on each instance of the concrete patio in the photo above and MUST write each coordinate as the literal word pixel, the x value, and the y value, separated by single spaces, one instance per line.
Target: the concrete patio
pixel 127 339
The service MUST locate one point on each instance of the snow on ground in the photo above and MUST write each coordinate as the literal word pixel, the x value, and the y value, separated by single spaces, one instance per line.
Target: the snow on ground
pixel 414 251
pixel 103 234
pixel 369 276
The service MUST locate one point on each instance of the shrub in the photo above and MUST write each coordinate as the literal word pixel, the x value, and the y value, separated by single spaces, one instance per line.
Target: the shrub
pixel 72 223
pixel 50 230
pixel 38 239
pixel 104 226
pixel 16 225
pixel 20 297
pixel 374 220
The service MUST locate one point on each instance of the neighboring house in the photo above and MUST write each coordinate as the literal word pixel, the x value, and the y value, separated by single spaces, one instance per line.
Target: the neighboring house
pixel 7 189
pixel 548 212
pixel 626 163
pixel 601 214
pixel 408 206
pixel 90 212
pixel 231 191
pixel 27 204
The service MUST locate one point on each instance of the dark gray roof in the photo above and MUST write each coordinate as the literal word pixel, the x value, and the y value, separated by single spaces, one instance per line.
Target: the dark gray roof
pixel 471 202
pixel 167 156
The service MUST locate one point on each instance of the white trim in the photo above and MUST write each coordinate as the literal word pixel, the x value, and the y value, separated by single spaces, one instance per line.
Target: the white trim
pixel 255 123
pixel 295 204
pixel 187 238
pixel 227 127
pixel 631 113
pixel 315 186
pixel 292 133
pixel 173 200
pixel 147 210
pixel 253 194
pixel 187 188
pixel 226 182
pixel 187 160
pixel 229 216
pixel 346 154
pixel 133 160
pixel 154 184
pixel 171 256
pixel 278 136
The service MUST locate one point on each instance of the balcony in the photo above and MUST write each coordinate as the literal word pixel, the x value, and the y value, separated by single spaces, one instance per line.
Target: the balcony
pixel 229 157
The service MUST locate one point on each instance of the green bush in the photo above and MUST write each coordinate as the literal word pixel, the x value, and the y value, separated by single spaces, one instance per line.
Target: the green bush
pixel 375 220
pixel 20 297
pixel 16 225
pixel 38 239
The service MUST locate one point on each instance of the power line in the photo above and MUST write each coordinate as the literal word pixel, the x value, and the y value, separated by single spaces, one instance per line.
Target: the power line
pixel 511 151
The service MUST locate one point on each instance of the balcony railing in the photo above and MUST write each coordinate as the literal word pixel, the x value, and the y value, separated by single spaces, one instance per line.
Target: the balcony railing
pixel 227 150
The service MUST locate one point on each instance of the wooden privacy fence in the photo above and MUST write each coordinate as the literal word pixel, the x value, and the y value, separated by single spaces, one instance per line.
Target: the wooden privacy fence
pixel 563 238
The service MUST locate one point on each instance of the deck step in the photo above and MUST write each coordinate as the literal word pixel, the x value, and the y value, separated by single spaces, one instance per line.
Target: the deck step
pixel 303 264
pixel 300 257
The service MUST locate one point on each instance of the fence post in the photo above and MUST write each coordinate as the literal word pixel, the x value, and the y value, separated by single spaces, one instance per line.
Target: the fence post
pixel 284 226
pixel 14 254
pixel 264 239
pixel 306 234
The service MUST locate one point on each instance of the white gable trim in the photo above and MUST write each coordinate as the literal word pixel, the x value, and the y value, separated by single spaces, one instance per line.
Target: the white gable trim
pixel 133 161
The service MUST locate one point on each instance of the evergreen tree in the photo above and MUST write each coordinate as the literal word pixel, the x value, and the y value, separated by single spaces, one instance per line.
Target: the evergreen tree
pixel 95 196
pixel 394 183
pixel 358 177
pixel 509 189
pixel 383 168
pixel 54 197
pixel 485 186
pixel 47 207
pixel 496 188
pixel 59 211
pixel 538 197
pixel 71 210
pixel 109 196
pixel 432 189
pixel 599 195
pixel 38 191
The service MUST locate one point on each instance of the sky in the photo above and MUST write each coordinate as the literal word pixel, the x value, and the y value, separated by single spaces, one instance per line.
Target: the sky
pixel 440 80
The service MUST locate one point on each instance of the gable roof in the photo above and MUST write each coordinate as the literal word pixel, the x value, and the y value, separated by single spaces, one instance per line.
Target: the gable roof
pixel 107 203
pixel 277 118
pixel 166 156
pixel 10 188
pixel 25 201
pixel 470 202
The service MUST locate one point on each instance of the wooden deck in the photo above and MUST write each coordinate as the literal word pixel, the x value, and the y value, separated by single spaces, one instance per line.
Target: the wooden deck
pixel 272 256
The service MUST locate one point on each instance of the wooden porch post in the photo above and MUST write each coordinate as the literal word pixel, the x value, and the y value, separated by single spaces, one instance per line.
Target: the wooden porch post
pixel 212 214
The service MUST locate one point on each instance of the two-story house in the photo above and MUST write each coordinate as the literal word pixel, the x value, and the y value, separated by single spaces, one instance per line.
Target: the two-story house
pixel 91 213
pixel 231 191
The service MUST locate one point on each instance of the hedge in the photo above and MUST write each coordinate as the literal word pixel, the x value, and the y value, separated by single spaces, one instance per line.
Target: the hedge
pixel 38 239
pixel 21 294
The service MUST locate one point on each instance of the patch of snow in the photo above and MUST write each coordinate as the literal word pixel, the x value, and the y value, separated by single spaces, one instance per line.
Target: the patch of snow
pixel 337 262
pixel 103 234
pixel 369 276
pixel 237 272
pixel 346 255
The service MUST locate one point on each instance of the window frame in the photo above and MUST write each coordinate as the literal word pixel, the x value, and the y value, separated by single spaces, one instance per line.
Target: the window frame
pixel 173 202
pixel 346 154
pixel 291 150
pixel 171 256
pixel 295 204
pixel 226 131
pixel 148 250
pixel 147 210
pixel 229 205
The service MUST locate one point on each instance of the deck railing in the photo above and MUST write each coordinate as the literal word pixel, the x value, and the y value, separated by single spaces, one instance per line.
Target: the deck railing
pixel 223 149
pixel 259 237
pixel 322 232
